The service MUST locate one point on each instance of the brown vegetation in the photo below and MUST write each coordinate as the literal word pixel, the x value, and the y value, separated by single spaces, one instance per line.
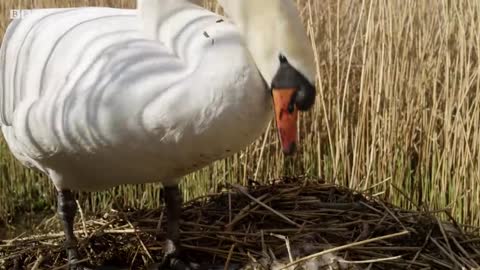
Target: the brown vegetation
pixel 398 112
pixel 286 223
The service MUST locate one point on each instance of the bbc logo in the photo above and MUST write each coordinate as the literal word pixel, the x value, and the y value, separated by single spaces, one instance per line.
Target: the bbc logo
pixel 19 13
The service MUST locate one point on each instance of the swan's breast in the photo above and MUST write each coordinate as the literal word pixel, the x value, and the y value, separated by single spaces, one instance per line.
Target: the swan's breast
pixel 216 110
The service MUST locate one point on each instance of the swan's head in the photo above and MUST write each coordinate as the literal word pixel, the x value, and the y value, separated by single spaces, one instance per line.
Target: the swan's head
pixel 278 43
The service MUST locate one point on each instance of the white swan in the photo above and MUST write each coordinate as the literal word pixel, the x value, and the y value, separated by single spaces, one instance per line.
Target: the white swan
pixel 98 97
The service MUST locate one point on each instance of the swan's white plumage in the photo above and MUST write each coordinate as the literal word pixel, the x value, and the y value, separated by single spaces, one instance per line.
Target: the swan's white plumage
pixel 98 97
pixel 97 100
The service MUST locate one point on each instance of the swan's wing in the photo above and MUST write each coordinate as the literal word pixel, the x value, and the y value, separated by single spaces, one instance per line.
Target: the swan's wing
pixel 30 44
pixel 45 50
pixel 79 77
pixel 7 95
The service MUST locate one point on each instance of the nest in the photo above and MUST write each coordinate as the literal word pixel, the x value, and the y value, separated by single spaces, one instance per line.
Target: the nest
pixel 283 225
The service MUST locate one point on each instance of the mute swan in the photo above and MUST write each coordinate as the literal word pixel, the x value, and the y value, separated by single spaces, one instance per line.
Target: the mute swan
pixel 99 97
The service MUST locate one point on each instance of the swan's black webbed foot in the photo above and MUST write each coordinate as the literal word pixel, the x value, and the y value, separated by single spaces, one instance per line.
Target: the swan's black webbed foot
pixel 172 260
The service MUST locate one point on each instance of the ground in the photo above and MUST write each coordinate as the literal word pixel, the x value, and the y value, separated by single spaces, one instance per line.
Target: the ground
pixel 289 222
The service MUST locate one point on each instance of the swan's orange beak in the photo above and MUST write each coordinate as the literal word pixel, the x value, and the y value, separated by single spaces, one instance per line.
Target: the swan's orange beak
pixel 286 115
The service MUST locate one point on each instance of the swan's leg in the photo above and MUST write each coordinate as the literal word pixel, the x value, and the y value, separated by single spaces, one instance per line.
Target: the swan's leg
pixel 173 203
pixel 67 209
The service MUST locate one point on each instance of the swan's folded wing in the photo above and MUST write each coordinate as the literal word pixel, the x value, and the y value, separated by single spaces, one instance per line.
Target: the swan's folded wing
pixel 76 79
pixel 27 48
pixel 7 95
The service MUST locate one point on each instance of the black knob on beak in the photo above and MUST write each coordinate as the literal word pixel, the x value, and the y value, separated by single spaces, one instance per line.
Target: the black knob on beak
pixel 305 96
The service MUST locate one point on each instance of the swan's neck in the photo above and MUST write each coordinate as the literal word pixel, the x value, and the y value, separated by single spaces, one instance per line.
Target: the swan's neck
pixel 271 28
pixel 153 13
pixel 249 18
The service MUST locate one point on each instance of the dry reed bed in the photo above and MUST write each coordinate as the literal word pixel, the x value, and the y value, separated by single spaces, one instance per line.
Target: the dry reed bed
pixel 243 224
pixel 398 105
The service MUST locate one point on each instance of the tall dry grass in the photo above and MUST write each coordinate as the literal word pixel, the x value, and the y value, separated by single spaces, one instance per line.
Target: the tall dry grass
pixel 398 111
